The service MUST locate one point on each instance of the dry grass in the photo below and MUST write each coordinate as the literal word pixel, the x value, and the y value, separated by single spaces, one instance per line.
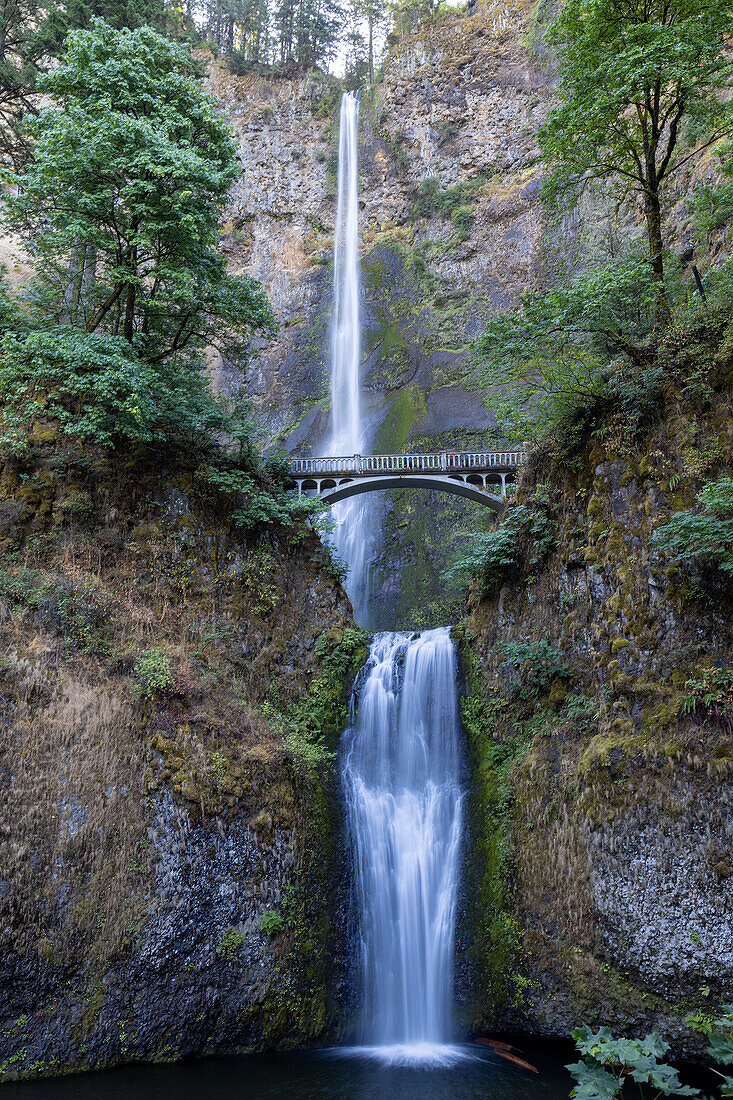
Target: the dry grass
pixel 84 752
pixel 73 847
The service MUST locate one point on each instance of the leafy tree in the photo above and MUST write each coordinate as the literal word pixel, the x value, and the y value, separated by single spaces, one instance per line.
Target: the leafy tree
pixel 120 204
pixel 119 207
pixel 32 34
pixel 547 363
pixel 630 72
pixel 523 536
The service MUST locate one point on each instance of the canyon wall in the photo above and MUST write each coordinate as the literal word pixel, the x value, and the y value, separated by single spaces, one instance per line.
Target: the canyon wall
pixel 452 231
pixel 171 688
pixel 600 729
pixel 459 105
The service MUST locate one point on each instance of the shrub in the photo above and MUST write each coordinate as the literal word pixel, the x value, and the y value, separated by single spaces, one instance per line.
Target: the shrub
pixel 314 723
pixel 536 665
pixel 80 610
pixel 238 63
pixel 231 943
pixel 271 923
pixel 710 694
pixel 432 199
pixel 524 534
pixel 153 672
pixel 703 537
pixel 608 1063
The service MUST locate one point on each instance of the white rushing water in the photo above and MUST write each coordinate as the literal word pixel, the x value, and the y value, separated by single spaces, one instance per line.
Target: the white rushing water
pixel 404 807
pixel 353 534
pixel 400 755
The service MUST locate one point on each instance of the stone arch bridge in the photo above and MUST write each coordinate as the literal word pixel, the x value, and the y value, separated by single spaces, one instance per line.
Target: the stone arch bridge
pixel 479 475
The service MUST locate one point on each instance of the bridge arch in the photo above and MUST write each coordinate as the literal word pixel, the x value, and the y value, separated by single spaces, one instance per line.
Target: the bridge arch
pixel 469 490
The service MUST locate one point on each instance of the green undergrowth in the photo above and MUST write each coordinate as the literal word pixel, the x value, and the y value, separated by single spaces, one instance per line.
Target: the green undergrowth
pixel 522 539
pixel 455 203
pixel 314 724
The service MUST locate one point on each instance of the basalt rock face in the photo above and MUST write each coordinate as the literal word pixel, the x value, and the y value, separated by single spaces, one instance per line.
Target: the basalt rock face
pixel 459 104
pixel 603 757
pixel 170 880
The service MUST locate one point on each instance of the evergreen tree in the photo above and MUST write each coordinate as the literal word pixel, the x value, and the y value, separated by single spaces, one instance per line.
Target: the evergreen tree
pixel 32 34
pixel 120 207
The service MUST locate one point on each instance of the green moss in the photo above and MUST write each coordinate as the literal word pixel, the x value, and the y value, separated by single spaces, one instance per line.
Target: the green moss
pixel 494 932
pixel 406 412
pixel 231 943
pixel 313 724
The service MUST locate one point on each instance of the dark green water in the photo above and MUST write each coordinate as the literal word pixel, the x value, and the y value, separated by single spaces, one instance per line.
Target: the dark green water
pixel 323 1075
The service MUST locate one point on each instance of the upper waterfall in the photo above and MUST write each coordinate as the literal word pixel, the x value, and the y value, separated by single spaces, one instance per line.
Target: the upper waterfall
pixel 353 534
pixel 346 428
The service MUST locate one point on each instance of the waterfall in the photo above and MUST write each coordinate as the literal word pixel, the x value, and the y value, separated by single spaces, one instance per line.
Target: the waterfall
pixel 400 754
pixel 400 771
pixel 345 333
pixel 352 536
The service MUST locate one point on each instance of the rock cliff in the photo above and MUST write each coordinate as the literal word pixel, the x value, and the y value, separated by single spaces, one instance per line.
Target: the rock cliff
pixel 458 107
pixel 169 689
pixel 452 231
pixel 603 761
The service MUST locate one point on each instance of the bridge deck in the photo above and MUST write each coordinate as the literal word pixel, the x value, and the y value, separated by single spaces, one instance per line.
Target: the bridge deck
pixel 465 462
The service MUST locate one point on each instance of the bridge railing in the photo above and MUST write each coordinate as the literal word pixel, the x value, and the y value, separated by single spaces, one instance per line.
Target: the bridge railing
pixel 439 461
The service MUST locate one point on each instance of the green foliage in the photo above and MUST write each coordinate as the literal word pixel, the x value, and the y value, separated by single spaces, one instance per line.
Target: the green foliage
pixel 524 536
pixel 239 63
pixel 271 923
pixel 119 208
pixel 703 536
pixel 450 202
pixel 153 672
pixel 81 611
pixel 315 722
pixel 231 943
pixel 607 1063
pixel 95 386
pixel 536 665
pixel 31 37
pixel 546 366
pixel 580 710
pixel 629 76
pixel 721 1046
pixel 710 694
pixel 78 609
pixel 306 30
pixel 496 938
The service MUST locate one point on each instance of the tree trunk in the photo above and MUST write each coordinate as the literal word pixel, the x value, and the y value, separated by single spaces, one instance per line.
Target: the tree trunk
pixel 128 328
pixel 371 51
pixel 656 256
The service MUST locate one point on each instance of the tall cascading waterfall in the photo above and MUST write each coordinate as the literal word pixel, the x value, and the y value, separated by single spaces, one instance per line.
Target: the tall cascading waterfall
pixel 401 753
pixel 401 776
pixel 353 534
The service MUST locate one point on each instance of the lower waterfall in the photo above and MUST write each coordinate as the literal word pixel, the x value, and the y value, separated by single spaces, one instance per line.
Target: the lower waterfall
pixel 401 777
